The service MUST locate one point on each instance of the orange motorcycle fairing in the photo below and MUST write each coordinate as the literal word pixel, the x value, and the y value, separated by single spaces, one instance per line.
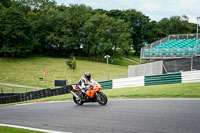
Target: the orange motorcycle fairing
pixel 92 91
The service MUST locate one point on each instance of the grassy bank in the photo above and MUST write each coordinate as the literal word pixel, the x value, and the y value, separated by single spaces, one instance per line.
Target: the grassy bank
pixel 28 71
pixel 183 90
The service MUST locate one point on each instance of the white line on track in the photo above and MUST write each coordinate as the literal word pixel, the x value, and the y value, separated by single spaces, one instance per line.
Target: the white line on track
pixel 34 129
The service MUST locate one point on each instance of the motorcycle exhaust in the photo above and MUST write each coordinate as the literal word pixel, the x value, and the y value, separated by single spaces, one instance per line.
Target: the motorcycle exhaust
pixel 74 94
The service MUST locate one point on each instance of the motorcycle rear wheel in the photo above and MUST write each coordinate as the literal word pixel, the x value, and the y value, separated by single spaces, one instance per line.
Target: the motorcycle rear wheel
pixel 102 98
pixel 78 102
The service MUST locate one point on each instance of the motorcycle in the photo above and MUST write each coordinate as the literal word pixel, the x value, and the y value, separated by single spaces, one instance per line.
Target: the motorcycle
pixel 92 94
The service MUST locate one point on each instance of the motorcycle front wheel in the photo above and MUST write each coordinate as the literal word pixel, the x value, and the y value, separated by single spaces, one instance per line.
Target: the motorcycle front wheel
pixel 102 98
pixel 78 102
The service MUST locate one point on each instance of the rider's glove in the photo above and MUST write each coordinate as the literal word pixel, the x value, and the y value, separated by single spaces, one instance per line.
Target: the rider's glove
pixel 82 90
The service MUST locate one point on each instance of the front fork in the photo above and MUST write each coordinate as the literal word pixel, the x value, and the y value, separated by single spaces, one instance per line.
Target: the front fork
pixel 74 94
pixel 97 96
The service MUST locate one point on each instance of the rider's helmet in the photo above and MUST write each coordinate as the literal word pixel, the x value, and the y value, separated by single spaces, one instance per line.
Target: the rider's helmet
pixel 88 75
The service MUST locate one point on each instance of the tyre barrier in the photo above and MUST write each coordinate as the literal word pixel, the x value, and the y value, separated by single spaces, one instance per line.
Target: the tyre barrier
pixel 8 94
pixel 20 97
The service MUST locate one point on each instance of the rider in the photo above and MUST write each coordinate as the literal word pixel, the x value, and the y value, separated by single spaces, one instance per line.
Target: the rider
pixel 85 80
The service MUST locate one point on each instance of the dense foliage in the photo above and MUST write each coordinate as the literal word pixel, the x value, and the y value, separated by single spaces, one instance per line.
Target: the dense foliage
pixel 43 27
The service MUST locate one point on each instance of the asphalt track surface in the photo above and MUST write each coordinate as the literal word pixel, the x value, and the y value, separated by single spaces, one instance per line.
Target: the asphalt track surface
pixel 118 116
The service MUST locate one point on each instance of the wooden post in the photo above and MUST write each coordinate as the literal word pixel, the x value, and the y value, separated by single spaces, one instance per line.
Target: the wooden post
pixel 45 75
pixel 37 85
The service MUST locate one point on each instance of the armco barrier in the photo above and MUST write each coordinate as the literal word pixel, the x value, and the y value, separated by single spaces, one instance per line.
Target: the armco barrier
pixel 128 82
pixel 163 79
pixel 19 97
pixel 191 76
pixel 106 84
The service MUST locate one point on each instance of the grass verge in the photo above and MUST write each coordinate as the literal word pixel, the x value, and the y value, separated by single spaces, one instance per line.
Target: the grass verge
pixel 16 130
pixel 182 90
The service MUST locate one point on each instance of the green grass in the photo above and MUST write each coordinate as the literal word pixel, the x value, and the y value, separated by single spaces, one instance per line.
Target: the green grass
pixel 137 58
pixel 15 130
pixel 181 90
pixel 134 57
pixel 10 89
pixel 117 61
pixel 28 71
pixel 123 62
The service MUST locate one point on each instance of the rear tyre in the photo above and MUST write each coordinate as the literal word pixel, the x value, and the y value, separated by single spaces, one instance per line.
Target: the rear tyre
pixel 102 98
pixel 78 102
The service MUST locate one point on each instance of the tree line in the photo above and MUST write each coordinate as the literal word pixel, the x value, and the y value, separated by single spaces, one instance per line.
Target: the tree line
pixel 30 27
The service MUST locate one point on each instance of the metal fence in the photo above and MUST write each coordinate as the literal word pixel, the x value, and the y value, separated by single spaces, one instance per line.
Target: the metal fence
pixel 180 65
pixel 172 51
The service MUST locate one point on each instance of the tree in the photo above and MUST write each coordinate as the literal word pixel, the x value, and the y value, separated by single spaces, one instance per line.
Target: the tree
pixel 43 27
pixel 78 14
pixel 104 35
pixel 137 25
pixel 58 29
pixel 176 25
pixel 38 5
pixel 96 32
pixel 16 33
pixel 153 32
pixel 72 63
pixel 120 36
pixel 6 3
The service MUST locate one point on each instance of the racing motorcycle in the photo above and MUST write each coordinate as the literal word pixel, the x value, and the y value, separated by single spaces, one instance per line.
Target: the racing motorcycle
pixel 92 94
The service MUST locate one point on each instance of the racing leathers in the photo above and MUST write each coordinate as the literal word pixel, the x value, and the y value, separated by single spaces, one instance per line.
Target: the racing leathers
pixel 82 84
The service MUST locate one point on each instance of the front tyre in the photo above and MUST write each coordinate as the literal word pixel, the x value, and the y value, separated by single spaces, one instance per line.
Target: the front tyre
pixel 78 102
pixel 101 98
